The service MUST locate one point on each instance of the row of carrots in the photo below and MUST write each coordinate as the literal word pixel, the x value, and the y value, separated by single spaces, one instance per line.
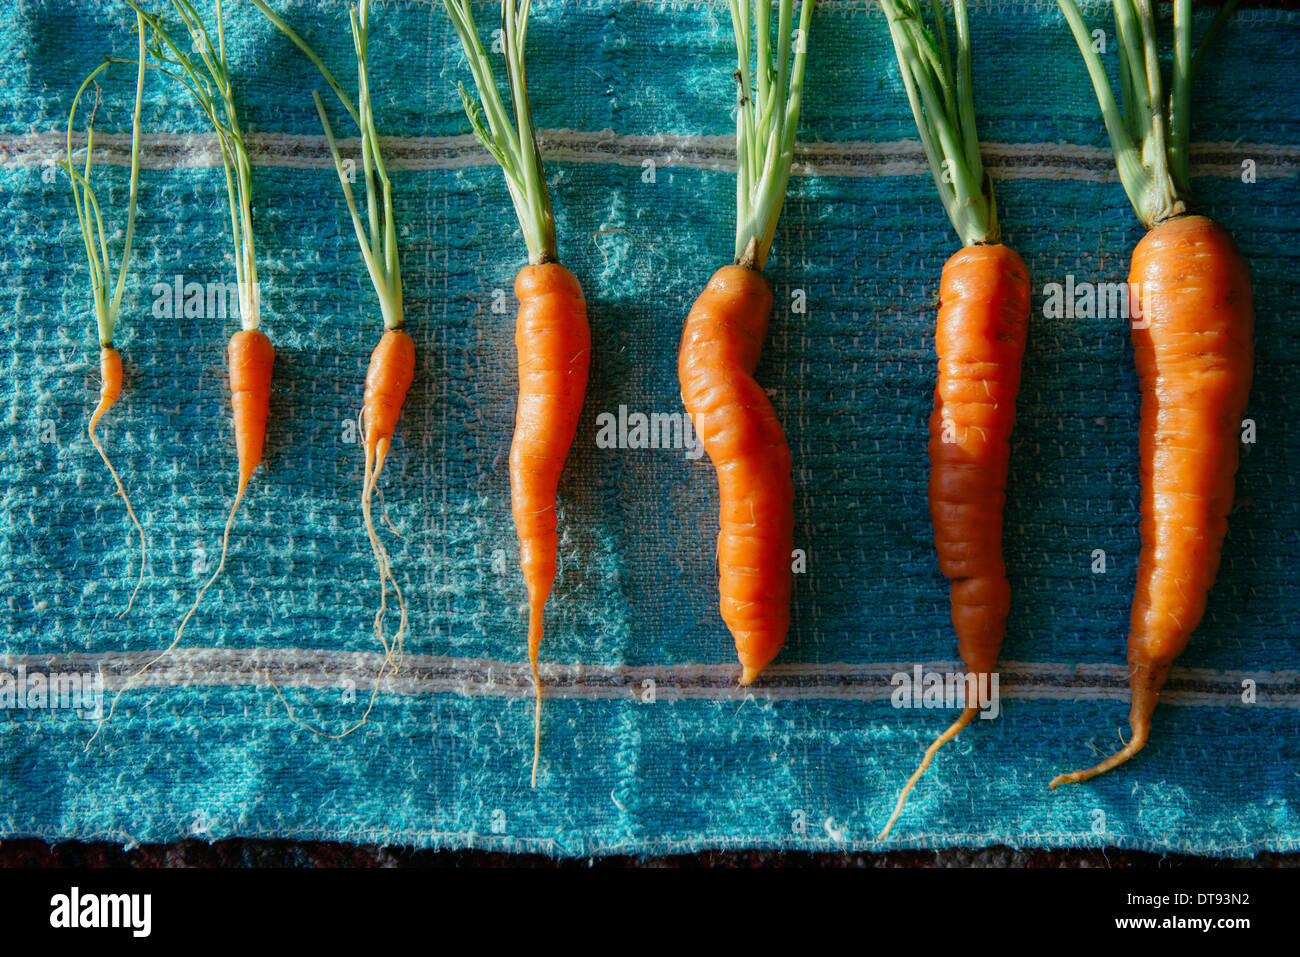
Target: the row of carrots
pixel 1193 346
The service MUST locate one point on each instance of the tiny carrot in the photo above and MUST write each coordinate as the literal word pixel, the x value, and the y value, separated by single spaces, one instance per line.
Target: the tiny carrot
pixel 722 339
pixel 392 363
pixel 251 358
pixel 388 378
pixel 552 338
pixel 1193 344
pixel 107 306
pixel 980 341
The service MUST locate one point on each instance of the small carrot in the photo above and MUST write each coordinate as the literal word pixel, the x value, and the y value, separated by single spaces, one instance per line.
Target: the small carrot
pixel 250 354
pixel 392 363
pixel 552 338
pixel 1193 344
pixel 251 358
pixel 107 307
pixel 980 341
pixel 722 339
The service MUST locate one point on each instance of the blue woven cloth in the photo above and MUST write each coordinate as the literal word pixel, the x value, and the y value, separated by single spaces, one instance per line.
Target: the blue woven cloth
pixel 648 745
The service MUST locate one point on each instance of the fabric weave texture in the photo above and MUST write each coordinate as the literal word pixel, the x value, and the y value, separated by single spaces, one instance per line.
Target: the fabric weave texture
pixel 648 745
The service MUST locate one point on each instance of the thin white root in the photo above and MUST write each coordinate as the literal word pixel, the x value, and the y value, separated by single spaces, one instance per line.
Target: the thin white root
pixel 534 646
pixel 392 650
pixel 221 565
pixel 121 490
pixel 967 715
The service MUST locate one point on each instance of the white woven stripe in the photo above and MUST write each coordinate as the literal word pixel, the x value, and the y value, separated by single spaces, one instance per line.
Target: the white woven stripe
pixel 857 159
pixel 478 677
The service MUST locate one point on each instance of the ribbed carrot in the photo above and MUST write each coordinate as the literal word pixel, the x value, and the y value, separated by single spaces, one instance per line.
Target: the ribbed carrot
pixel 723 337
pixel 551 334
pixel 738 427
pixel 250 355
pixel 106 306
pixel 392 363
pixel 1193 343
pixel 980 340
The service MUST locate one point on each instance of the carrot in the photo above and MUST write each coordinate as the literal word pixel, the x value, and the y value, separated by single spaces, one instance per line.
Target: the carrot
pixel 723 338
pixel 251 358
pixel 392 363
pixel 107 306
pixel 554 347
pixel 1194 350
pixel 250 354
pixel 1193 334
pixel 552 339
pixel 980 341
pixel 738 427
pixel 388 378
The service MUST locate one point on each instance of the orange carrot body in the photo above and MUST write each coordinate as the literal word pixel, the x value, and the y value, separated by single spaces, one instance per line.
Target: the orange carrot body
pixel 110 383
pixel 553 342
pixel 738 427
pixel 251 359
pixel 980 339
pixel 392 367
pixel 1193 344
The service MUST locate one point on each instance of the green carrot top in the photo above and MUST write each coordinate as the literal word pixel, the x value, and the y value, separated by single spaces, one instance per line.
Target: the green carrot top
pixel 200 66
pixel 767 117
pixel 1149 136
pixel 89 215
pixel 512 145
pixel 378 237
pixel 940 91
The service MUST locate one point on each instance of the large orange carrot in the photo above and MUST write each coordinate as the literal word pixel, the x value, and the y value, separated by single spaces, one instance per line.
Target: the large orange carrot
pixel 980 340
pixel 554 347
pixel 552 339
pixel 1193 343
pixel 251 357
pixel 723 338
pixel 738 427
pixel 106 299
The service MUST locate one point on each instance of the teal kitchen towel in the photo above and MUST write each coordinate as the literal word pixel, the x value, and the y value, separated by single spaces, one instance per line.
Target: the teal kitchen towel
pixel 649 746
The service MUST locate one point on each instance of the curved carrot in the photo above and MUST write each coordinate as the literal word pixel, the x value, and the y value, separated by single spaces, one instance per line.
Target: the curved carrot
pixel 738 427
pixel 980 340
pixel 110 387
pixel 106 298
pixel 554 346
pixel 1193 343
